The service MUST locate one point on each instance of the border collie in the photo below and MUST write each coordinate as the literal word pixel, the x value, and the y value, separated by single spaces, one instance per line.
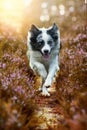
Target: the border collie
pixel 43 53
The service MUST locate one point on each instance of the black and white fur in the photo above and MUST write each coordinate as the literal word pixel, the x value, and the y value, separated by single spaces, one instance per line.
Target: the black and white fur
pixel 43 51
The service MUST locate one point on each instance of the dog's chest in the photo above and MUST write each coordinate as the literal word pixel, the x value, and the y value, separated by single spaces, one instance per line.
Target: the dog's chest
pixel 37 57
pixel 45 61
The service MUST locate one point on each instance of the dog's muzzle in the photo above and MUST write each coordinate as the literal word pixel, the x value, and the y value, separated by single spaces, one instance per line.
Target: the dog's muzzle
pixel 46 54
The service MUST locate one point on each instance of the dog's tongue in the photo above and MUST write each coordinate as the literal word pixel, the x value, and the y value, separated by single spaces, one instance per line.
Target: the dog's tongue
pixel 46 56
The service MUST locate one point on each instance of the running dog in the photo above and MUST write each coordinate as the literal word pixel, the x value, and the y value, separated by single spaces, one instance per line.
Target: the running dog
pixel 43 53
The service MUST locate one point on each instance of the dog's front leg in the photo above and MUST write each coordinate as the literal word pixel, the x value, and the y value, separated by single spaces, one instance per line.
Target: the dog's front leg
pixel 54 67
pixel 40 69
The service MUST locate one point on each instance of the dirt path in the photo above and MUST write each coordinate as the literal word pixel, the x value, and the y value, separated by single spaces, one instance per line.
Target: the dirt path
pixel 49 114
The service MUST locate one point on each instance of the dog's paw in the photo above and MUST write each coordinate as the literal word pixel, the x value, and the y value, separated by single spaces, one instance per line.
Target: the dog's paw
pixel 45 92
pixel 48 83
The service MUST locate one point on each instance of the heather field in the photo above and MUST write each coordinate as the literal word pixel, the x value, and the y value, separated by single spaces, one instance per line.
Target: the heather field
pixel 21 105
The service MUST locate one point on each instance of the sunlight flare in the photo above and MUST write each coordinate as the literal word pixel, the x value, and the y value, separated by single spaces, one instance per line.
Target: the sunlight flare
pixel 62 9
pixel 8 6
pixel 27 2
pixel 12 12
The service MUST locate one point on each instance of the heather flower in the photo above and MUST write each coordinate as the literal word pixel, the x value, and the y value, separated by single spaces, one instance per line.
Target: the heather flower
pixel 4 66
pixel 19 99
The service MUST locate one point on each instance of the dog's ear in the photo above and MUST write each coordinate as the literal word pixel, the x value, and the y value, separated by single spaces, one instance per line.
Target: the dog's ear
pixel 34 32
pixel 54 27
pixel 34 29
pixel 53 31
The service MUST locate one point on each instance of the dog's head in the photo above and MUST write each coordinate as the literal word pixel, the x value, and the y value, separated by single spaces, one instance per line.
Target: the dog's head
pixel 44 40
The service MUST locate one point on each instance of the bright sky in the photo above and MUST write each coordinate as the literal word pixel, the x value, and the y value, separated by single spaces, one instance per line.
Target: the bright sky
pixel 11 11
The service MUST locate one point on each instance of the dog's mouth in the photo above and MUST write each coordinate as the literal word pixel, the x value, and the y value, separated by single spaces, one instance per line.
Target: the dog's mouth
pixel 46 56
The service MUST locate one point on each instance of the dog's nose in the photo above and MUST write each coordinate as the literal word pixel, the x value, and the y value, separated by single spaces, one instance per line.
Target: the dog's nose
pixel 46 51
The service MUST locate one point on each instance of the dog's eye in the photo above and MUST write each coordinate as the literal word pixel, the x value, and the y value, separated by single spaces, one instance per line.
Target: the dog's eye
pixel 50 42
